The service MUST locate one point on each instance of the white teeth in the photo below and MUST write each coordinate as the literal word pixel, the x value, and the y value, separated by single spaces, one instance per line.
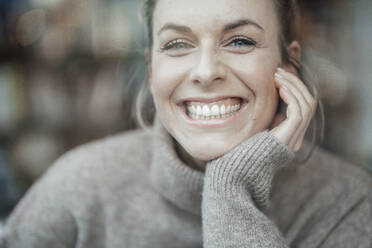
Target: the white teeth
pixel 193 109
pixel 203 112
pixel 228 109
pixel 190 109
pixel 206 111
pixel 223 110
pixel 215 110
pixel 199 110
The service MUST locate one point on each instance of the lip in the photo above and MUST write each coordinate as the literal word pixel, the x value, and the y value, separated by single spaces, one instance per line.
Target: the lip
pixel 207 99
pixel 212 122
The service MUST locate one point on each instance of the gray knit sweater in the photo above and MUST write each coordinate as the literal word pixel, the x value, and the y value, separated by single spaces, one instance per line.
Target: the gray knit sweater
pixel 132 190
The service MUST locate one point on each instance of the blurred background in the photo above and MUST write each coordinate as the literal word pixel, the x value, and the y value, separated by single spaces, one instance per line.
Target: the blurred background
pixel 70 69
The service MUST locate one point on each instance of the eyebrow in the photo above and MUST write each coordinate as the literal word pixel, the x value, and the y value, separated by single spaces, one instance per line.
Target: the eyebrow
pixel 227 27
pixel 240 23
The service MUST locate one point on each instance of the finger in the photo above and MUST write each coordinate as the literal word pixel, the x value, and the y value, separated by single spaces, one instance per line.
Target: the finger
pixel 286 130
pixel 297 138
pixel 299 142
pixel 299 84
pixel 302 135
pixel 293 79
pixel 305 107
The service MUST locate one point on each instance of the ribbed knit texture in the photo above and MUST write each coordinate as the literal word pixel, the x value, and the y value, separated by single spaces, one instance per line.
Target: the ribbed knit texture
pixel 250 166
pixel 236 186
pixel 176 181
pixel 132 190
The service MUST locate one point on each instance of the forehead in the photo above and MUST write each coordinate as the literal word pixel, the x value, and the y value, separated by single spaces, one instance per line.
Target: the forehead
pixel 211 14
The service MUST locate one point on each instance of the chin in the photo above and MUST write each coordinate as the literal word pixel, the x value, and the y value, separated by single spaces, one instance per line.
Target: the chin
pixel 206 151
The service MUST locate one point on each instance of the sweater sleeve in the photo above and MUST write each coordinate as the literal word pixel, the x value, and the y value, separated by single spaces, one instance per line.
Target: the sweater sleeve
pixel 236 187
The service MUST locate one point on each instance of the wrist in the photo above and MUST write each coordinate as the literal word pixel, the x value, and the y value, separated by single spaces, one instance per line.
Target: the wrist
pixel 248 167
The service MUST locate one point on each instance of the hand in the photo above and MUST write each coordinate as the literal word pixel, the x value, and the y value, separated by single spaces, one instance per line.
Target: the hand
pixel 291 129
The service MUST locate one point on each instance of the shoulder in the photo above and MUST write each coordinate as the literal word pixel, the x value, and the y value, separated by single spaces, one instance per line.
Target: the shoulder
pixel 91 172
pixel 328 170
pixel 325 179
pixel 315 199
pixel 327 173
pixel 78 186
pixel 104 161
pixel 117 148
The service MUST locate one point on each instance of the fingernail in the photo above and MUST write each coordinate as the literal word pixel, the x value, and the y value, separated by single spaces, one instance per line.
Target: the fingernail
pixel 280 69
pixel 284 88
pixel 277 75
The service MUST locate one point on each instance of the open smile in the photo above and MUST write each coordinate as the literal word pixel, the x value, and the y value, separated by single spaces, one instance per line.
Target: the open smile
pixel 212 112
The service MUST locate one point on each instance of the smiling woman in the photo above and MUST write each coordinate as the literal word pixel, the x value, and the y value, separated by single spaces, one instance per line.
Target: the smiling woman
pixel 217 71
pixel 218 167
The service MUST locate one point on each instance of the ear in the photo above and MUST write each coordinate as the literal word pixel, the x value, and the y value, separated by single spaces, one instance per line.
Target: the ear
pixel 294 50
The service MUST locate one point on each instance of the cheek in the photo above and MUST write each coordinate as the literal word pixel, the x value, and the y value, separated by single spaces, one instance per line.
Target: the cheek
pixel 166 77
pixel 256 71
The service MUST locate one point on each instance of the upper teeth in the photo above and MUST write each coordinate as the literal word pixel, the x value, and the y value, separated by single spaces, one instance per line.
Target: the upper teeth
pixel 215 111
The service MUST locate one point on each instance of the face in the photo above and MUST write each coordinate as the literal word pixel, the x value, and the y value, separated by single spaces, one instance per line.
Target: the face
pixel 212 71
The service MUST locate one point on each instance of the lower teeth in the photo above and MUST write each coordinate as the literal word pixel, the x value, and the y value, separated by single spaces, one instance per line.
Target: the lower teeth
pixel 202 117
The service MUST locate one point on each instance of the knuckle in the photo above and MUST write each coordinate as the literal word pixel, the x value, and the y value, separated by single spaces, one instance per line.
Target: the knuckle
pixel 307 109
pixel 297 146
pixel 298 119
pixel 313 104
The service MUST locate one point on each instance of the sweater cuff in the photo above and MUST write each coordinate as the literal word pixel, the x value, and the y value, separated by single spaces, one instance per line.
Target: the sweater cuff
pixel 250 166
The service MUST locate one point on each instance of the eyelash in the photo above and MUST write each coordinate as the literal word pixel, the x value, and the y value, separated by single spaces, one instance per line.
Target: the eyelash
pixel 172 44
pixel 248 41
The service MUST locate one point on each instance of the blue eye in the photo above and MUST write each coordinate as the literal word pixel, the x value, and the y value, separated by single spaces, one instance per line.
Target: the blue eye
pixel 242 42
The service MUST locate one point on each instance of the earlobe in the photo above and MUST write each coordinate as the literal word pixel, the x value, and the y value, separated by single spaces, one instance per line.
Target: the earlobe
pixel 294 49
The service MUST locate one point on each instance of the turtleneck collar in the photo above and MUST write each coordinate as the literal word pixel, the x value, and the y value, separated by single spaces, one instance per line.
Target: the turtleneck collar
pixel 178 182
pixel 171 177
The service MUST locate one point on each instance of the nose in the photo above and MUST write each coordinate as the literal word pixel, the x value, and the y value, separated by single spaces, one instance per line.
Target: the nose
pixel 208 69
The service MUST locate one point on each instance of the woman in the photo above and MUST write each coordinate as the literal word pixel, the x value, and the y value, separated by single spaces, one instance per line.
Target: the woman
pixel 217 73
